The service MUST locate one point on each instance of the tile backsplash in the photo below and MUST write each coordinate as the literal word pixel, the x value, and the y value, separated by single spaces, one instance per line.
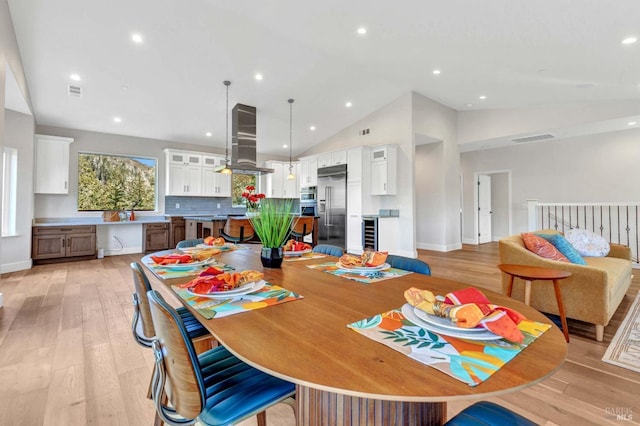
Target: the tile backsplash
pixel 205 205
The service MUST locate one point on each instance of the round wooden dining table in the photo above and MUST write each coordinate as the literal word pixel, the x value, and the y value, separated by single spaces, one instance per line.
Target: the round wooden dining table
pixel 345 378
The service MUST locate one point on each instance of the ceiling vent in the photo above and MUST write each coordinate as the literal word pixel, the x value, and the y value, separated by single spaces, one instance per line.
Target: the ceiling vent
pixel 74 91
pixel 534 138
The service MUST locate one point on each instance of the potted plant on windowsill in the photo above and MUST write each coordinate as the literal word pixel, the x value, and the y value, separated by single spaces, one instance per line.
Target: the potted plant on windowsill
pixel 273 225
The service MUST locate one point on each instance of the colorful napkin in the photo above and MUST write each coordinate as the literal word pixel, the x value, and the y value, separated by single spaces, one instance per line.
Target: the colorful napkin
pixel 172 259
pixel 268 295
pixel 166 273
pixel 469 308
pixel 470 361
pixel 365 277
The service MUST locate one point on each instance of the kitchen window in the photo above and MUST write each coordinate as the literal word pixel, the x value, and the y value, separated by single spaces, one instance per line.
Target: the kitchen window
pixel 238 184
pixel 116 182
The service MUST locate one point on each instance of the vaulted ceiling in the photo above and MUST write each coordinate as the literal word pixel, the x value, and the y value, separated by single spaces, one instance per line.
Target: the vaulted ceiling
pixel 169 85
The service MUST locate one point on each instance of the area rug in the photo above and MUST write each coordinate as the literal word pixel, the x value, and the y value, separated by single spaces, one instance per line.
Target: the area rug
pixel 624 350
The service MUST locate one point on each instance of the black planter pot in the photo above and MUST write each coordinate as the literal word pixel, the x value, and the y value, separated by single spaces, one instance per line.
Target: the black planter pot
pixel 271 257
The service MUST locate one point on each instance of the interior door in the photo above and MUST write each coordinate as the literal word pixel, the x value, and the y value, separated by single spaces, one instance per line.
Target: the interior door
pixel 484 209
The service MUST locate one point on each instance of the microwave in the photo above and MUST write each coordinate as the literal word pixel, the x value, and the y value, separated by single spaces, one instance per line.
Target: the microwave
pixel 308 194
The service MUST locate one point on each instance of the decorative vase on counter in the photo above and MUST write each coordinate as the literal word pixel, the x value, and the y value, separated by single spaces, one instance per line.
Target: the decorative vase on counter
pixel 271 257
pixel 252 213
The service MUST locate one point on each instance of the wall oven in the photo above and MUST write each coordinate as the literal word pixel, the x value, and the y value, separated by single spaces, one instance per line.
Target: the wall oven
pixel 308 209
pixel 308 194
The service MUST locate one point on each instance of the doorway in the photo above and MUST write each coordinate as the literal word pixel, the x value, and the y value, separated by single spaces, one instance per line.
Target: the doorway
pixel 492 205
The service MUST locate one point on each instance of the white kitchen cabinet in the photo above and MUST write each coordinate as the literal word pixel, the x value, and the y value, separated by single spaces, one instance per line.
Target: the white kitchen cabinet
pixel 52 164
pixel 324 160
pixel 277 184
pixel 383 170
pixel 338 157
pixel 184 158
pixel 354 217
pixel 388 230
pixel 184 180
pixel 308 172
pixel 358 163
pixel 214 184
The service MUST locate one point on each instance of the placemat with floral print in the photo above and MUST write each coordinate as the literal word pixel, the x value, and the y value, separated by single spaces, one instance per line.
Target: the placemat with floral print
pixel 269 295
pixel 365 277
pixel 470 361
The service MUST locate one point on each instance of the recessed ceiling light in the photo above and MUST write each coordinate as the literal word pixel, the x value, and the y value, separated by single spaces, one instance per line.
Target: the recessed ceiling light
pixel 362 30
pixel 348 104
pixel 117 120
pixel 632 123
pixel 258 76
pixel 482 97
pixel 208 134
pixel 312 128
pixel 436 72
pixel 630 40
pixel 136 38
pixel 284 146
pixel 75 77
pixel 469 105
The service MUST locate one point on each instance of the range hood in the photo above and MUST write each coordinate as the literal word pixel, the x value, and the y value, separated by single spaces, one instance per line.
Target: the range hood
pixel 243 142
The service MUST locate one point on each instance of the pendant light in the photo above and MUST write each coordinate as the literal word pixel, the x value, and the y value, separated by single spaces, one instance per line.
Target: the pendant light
pixel 227 170
pixel 291 176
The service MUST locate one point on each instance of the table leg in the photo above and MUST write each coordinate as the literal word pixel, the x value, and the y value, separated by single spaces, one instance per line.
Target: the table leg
pixel 527 292
pixel 563 317
pixel 316 407
pixel 510 286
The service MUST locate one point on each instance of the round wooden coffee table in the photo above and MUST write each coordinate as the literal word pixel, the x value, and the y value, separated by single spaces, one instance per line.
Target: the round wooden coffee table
pixel 533 273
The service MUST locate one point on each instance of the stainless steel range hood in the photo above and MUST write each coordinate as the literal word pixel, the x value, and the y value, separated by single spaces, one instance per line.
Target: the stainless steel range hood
pixel 243 142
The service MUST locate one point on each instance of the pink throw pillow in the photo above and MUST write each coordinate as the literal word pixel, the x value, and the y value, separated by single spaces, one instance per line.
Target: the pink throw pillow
pixel 542 247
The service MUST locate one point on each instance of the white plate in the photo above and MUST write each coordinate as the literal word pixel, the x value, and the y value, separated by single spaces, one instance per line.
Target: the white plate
pixel 186 266
pixel 444 322
pixel 296 253
pixel 242 290
pixel 407 311
pixel 363 268
pixel 225 247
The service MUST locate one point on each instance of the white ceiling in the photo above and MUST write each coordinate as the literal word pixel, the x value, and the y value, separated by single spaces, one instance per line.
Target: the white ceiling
pixel 516 53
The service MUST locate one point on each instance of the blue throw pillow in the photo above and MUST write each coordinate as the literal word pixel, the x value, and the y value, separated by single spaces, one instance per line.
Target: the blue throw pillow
pixel 564 247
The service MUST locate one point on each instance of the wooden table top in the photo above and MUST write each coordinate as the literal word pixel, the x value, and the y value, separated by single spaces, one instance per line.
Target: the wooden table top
pixel 308 343
pixel 533 272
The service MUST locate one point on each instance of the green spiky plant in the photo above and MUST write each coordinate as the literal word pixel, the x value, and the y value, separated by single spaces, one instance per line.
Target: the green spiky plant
pixel 273 222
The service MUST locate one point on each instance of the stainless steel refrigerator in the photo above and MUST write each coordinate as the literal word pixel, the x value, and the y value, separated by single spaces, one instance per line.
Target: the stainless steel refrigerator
pixel 332 205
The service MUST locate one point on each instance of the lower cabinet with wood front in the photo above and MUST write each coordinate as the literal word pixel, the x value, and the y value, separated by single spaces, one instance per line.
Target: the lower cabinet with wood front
pixel 155 236
pixel 52 243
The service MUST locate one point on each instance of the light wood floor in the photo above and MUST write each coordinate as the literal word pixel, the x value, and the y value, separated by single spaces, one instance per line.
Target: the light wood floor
pixel 67 356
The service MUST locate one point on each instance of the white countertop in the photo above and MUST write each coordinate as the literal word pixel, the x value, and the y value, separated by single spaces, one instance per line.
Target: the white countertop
pixel 70 221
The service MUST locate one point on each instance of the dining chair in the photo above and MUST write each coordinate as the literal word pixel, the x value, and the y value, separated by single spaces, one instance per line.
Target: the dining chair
pixel 237 230
pixel 142 324
pixel 189 243
pixel 328 249
pixel 301 226
pixel 215 388
pixel 485 413
pixel 408 264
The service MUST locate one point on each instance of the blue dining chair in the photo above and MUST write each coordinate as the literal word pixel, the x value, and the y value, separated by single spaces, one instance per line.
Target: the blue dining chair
pixel 408 264
pixel 142 324
pixel 328 249
pixel 485 413
pixel 214 388
pixel 189 243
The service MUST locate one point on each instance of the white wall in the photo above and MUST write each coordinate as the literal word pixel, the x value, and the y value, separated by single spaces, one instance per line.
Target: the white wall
pixel 10 57
pixel 429 194
pixel 597 168
pixel 438 122
pixel 15 251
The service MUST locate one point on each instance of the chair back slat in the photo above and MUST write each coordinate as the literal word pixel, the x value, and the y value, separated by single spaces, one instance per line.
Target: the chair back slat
pixel 189 243
pixel 184 386
pixel 329 249
pixel 142 286
pixel 238 230
pixel 302 226
pixel 409 264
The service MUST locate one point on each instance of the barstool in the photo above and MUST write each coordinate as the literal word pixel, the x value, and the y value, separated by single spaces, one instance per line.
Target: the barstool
pixel 237 230
pixel 301 226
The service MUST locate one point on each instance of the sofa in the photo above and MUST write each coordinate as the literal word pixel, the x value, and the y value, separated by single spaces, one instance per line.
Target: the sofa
pixel 591 294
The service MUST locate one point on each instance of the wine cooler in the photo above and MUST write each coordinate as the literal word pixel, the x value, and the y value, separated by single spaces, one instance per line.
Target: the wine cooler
pixel 370 233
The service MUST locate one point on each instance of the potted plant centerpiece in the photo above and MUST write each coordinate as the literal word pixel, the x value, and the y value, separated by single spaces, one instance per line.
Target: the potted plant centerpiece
pixel 273 225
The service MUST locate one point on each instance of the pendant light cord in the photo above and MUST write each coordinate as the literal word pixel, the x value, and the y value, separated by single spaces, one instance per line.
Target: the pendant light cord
pixel 290 133
pixel 226 154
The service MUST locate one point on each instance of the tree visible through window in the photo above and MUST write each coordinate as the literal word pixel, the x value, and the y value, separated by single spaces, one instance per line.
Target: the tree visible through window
pixel 238 183
pixel 112 182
